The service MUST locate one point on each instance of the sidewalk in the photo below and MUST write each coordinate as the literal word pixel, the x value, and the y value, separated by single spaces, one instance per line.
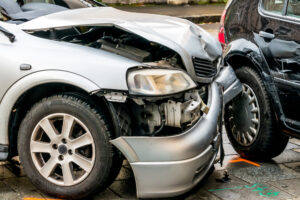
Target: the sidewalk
pixel 194 13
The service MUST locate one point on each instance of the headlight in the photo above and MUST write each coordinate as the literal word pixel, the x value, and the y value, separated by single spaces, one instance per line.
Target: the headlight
pixel 154 82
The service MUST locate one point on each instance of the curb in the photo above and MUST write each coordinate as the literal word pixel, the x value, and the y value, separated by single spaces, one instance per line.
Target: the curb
pixel 198 19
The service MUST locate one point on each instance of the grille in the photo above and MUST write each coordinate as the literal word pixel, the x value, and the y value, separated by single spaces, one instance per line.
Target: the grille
pixel 205 68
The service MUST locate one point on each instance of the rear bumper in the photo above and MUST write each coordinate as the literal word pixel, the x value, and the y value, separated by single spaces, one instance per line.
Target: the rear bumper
pixel 170 166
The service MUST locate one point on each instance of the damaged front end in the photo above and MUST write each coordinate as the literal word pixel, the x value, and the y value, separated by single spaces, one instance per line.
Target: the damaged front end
pixel 168 118
pixel 175 136
pixel 173 141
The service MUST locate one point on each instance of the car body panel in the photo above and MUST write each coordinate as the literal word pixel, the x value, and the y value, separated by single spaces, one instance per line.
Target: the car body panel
pixel 30 81
pixel 283 55
pixel 159 149
pixel 188 155
pixel 184 37
pixel 39 54
pixel 34 61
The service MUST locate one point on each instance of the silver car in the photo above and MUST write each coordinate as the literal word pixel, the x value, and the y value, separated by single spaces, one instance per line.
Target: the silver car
pixel 83 89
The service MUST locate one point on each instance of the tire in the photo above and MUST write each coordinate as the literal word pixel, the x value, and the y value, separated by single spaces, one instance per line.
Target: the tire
pixel 252 108
pixel 93 166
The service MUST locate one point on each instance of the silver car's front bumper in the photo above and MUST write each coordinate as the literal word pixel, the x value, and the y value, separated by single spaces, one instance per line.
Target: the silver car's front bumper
pixel 170 166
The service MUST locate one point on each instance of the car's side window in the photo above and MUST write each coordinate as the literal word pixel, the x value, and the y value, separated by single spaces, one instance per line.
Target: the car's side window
pixel 274 6
pixel 293 9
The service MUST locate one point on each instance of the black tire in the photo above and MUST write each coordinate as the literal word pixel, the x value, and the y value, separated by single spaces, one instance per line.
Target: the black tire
pixel 107 162
pixel 269 142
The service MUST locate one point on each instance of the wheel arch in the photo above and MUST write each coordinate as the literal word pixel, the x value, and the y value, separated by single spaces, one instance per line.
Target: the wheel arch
pixel 238 60
pixel 29 90
pixel 244 52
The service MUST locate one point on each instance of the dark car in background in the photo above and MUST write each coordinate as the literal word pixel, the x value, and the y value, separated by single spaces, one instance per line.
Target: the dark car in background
pixel 20 11
pixel 71 4
pixel 261 41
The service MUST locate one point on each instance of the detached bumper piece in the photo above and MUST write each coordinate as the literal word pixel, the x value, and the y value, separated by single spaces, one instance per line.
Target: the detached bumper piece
pixel 230 83
pixel 171 166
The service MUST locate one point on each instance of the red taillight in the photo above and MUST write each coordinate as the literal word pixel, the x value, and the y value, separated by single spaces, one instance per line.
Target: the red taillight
pixel 222 35
pixel 222 30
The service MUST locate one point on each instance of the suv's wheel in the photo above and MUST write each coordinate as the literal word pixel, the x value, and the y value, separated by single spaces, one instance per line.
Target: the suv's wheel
pixel 249 120
pixel 64 147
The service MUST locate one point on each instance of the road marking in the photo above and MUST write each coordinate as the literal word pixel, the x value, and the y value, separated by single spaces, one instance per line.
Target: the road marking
pixel 244 160
pixel 261 189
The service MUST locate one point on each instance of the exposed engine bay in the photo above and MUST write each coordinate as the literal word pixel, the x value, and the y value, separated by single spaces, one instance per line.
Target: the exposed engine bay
pixel 149 116
pixel 155 118
pixel 161 116
pixel 116 41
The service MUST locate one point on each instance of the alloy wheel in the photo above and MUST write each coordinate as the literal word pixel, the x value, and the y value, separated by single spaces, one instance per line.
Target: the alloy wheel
pixel 62 149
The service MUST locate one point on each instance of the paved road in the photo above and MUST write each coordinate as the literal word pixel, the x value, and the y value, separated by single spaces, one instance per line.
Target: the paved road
pixel 276 179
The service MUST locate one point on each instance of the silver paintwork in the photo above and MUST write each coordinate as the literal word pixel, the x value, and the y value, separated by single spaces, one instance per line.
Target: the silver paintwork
pixel 172 178
pixel 184 37
pixel 167 166
pixel 231 84
pixel 189 154
pixel 53 62
pixel 85 64
pixel 188 144
pixel 170 166
pixel 24 84
pixel 65 160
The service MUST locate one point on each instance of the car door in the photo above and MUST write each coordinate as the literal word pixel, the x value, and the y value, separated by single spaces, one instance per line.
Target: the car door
pixel 278 36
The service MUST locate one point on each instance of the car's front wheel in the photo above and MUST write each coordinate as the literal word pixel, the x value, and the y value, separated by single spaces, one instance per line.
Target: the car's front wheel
pixel 64 147
pixel 249 120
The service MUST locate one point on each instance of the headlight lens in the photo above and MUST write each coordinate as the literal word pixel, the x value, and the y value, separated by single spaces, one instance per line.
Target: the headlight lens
pixel 155 82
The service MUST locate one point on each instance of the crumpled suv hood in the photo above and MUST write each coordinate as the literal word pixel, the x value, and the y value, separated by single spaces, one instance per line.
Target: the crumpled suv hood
pixel 184 37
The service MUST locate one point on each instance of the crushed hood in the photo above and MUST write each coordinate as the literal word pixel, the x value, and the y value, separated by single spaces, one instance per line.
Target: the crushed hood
pixel 184 37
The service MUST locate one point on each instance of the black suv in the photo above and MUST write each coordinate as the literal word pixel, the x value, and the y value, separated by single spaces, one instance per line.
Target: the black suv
pixel 261 41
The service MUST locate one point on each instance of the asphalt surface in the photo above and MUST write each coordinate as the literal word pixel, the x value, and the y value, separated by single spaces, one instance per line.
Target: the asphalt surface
pixel 276 179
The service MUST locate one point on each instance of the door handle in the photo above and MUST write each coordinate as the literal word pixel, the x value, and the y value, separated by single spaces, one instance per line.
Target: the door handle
pixel 266 35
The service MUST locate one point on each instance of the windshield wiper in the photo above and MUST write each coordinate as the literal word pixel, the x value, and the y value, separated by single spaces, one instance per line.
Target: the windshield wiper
pixel 8 34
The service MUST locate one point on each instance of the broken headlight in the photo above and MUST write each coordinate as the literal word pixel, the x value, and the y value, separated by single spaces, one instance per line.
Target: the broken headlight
pixel 154 82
